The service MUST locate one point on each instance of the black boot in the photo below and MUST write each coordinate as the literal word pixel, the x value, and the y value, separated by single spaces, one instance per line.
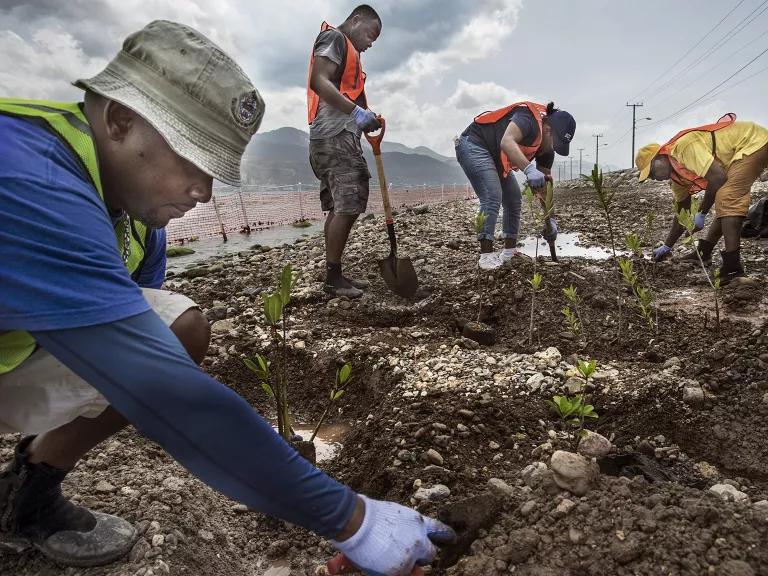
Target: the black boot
pixel 731 267
pixel 704 247
pixel 34 512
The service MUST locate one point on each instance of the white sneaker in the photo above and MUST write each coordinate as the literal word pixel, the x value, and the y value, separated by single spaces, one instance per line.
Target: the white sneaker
pixel 507 254
pixel 489 261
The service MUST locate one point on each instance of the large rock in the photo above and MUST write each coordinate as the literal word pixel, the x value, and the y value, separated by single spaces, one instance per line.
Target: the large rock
pixel 573 472
pixel 433 494
pixel 594 445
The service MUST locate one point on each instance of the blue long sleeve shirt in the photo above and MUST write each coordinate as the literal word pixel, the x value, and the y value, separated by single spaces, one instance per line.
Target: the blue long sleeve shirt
pixel 62 279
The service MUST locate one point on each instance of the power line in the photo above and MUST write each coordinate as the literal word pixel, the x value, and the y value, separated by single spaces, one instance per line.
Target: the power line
pixel 691 49
pixel 687 84
pixel 697 100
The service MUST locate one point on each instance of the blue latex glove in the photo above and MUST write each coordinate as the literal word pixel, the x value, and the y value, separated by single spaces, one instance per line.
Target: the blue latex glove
pixel 661 253
pixel 365 119
pixel 550 232
pixel 393 539
pixel 698 220
pixel 535 177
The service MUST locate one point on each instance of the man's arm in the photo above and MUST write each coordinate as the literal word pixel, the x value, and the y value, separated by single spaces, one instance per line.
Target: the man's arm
pixel 716 177
pixel 323 70
pixel 147 376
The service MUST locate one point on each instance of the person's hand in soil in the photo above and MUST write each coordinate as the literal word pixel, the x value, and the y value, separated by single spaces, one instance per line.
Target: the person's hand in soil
pixel 392 539
pixel 661 253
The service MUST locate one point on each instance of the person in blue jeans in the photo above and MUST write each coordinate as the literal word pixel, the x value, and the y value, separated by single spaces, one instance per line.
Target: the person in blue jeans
pixel 522 136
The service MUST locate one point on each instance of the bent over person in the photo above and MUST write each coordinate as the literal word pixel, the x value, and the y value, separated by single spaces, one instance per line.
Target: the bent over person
pixel 722 159
pixel 338 114
pixel 522 136
pixel 88 343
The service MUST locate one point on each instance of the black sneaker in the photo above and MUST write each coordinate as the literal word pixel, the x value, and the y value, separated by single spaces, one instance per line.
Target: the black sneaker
pixel 34 512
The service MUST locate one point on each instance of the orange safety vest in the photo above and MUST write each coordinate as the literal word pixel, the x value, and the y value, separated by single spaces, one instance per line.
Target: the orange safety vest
pixel 352 77
pixel 680 174
pixel 539 112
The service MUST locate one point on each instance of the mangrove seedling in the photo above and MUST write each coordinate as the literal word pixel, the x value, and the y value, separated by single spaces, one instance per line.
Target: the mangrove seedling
pixel 480 219
pixel 571 311
pixel 343 376
pixel 572 412
pixel 535 283
pixel 686 218
pixel 275 314
pixel 537 219
pixel 605 196
pixel 643 296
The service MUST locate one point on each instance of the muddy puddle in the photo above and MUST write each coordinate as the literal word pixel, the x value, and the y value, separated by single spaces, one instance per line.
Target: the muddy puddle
pixel 206 248
pixel 568 246
pixel 328 441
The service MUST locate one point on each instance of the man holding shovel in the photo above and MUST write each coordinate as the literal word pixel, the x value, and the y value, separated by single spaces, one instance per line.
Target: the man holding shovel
pixel 84 350
pixel 338 115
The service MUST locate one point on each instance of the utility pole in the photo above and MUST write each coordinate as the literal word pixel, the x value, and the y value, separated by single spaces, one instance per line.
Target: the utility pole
pixel 597 149
pixel 571 159
pixel 634 122
pixel 580 151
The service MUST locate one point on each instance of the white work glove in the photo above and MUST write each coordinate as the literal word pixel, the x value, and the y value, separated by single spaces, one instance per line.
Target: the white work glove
pixel 393 539
pixel 365 119
pixel 535 177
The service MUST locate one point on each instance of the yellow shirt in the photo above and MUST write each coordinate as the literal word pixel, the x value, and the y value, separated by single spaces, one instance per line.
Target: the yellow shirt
pixel 694 150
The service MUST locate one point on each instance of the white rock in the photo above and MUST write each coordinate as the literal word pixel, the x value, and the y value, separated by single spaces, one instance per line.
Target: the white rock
pixel 500 488
pixel 693 395
pixel 565 507
pixel 728 492
pixel 594 445
pixel 533 474
pixel 534 382
pixel 573 472
pixel 433 494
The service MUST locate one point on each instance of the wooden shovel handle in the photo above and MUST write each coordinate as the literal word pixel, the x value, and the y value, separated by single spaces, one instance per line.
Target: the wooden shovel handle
pixel 375 141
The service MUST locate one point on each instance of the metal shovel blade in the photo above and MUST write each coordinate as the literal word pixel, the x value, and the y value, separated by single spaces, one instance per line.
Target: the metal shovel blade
pixel 399 275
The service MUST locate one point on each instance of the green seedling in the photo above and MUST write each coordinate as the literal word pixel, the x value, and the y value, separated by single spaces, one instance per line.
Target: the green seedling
pixel 571 310
pixel 605 197
pixel 686 218
pixel 275 305
pixel 537 219
pixel 643 296
pixel 479 223
pixel 572 411
pixel 343 377
pixel 648 233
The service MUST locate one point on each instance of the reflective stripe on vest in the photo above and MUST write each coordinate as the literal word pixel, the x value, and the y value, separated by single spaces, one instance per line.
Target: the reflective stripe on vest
pixel 70 125
pixel 680 174
pixel 539 112
pixel 352 77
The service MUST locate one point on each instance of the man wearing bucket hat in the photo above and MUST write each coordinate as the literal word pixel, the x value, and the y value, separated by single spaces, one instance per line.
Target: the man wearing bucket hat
pixel 522 136
pixel 722 159
pixel 87 341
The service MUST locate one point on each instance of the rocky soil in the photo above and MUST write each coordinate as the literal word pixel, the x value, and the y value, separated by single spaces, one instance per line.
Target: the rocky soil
pixel 680 480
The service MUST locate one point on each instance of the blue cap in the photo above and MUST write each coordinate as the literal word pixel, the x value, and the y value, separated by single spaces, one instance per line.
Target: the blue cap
pixel 563 128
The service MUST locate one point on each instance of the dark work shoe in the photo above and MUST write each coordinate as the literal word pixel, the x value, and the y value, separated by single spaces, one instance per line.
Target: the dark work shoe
pixel 34 512
pixel 348 291
pixel 731 267
pixel 704 248
pixel 359 283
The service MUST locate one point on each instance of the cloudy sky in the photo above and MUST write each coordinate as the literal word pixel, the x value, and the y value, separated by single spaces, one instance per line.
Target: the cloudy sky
pixel 438 63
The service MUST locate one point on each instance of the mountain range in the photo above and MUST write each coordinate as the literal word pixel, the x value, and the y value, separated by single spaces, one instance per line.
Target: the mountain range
pixel 281 158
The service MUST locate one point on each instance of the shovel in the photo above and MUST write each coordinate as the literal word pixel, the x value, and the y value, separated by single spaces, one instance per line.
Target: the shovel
pixel 398 273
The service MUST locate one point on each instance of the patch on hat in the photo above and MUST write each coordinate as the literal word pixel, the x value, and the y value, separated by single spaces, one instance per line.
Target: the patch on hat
pixel 247 110
pixel 567 137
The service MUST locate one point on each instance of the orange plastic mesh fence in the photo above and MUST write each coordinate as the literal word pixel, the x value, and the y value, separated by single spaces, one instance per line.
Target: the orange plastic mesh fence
pixel 257 207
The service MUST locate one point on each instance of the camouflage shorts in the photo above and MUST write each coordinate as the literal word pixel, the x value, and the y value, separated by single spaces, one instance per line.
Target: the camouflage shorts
pixel 343 173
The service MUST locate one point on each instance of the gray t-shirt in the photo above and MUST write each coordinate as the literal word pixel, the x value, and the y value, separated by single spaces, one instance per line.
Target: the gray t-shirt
pixel 330 121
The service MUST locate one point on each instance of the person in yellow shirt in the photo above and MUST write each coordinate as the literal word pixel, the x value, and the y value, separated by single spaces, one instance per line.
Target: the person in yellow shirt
pixel 722 159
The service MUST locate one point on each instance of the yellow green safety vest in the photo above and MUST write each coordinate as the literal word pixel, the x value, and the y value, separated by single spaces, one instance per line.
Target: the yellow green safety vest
pixel 68 122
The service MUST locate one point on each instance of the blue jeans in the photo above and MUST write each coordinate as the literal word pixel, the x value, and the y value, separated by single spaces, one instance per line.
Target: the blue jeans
pixel 492 190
